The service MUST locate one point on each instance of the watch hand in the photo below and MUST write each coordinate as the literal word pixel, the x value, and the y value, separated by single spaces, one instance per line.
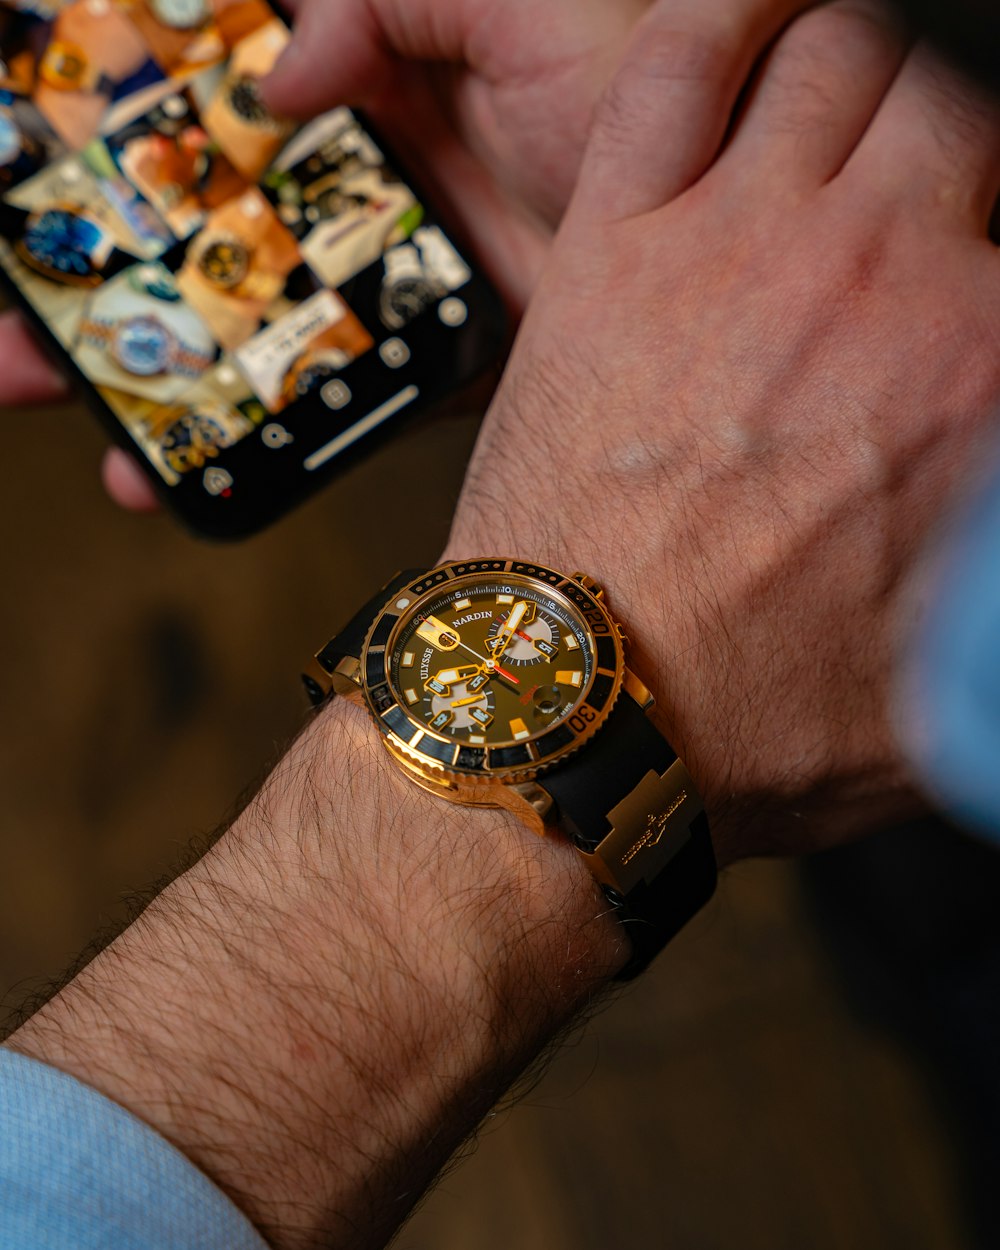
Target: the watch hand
pixel 449 676
pixel 502 672
pixel 509 627
pixel 472 698
pixel 438 634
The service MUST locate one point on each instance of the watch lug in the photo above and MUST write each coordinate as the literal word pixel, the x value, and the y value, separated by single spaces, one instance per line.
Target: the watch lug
pixel 533 804
pixel 588 583
pixel 346 676
pixel 641 693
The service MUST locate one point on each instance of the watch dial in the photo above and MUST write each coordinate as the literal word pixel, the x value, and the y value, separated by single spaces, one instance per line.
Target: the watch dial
pixel 142 345
pixel 62 240
pixel 494 661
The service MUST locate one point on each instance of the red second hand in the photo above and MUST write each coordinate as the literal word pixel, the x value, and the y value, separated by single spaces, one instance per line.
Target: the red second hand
pixel 510 676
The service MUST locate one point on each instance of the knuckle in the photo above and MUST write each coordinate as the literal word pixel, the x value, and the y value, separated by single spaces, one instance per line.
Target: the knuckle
pixel 956 110
pixel 661 59
pixel 807 68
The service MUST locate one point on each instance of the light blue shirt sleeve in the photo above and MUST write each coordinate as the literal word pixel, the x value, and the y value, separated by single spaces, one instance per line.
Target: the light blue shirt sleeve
pixel 950 709
pixel 79 1172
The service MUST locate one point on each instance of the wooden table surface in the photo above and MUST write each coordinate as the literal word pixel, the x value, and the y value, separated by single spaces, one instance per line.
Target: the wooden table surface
pixel 729 1101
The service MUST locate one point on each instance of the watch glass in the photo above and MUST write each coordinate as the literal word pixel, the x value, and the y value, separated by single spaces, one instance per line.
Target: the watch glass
pixel 405 298
pixel 493 661
pixel 181 14
pixel 248 103
pixel 143 346
pixel 63 241
pixel 224 262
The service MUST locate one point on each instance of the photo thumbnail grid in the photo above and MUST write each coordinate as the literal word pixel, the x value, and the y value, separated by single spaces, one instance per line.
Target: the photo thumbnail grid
pixel 185 246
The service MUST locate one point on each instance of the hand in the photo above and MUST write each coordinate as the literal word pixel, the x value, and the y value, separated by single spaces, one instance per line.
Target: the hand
pixel 527 104
pixel 482 97
pixel 488 102
pixel 745 389
pixel 739 398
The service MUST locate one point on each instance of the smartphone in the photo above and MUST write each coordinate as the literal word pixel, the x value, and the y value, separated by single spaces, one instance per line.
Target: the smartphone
pixel 241 300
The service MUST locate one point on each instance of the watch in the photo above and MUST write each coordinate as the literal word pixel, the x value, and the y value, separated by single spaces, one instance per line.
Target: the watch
pixel 145 347
pixel 62 243
pixel 246 101
pixel 66 67
pixel 495 682
pixel 407 289
pixel 198 434
pixel 181 14
pixel 224 261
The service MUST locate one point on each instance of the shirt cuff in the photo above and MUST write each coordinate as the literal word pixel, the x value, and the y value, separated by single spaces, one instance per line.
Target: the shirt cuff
pixel 76 1169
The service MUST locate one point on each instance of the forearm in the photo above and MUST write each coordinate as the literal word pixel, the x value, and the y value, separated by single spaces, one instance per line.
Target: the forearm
pixel 322 1008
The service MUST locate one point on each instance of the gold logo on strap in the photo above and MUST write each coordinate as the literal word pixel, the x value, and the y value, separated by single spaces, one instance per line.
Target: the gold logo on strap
pixel 656 827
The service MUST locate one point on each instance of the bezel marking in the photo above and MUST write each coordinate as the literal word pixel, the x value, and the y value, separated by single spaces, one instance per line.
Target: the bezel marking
pixel 600 690
pixel 382 698
pixel 606 651
pixel 381 631
pixel 375 667
pixel 553 740
pixel 396 720
pixel 511 756
pixel 443 752
pixel 469 758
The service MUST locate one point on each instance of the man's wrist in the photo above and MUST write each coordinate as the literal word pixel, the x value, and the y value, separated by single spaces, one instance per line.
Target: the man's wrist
pixel 355 970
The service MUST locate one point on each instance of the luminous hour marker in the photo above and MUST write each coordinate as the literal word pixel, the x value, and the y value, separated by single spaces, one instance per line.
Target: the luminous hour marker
pixel 518 729
pixel 477 737
pixel 570 642
pixel 462 604
pixel 567 678
pixel 407 660
pixel 410 696
pixel 505 598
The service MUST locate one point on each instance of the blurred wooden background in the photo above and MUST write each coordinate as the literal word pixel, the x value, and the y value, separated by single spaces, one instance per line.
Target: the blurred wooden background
pixel 730 1099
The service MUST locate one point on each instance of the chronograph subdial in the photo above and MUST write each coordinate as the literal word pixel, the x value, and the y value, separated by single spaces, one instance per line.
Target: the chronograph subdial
pixel 535 638
pixel 466 705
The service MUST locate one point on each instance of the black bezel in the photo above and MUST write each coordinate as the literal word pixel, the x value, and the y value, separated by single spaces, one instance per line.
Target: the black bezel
pixel 508 762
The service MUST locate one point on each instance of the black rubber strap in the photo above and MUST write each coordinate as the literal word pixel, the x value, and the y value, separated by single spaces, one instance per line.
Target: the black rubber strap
pixel 349 640
pixel 588 787
pixel 591 782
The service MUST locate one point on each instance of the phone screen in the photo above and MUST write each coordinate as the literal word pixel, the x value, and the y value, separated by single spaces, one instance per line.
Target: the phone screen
pixel 242 299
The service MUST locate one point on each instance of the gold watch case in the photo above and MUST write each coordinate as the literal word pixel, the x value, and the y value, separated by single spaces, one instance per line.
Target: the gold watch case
pixel 464 611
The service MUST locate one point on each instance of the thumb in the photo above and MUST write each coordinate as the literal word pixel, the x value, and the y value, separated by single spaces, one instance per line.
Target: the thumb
pixel 25 373
pixel 348 51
